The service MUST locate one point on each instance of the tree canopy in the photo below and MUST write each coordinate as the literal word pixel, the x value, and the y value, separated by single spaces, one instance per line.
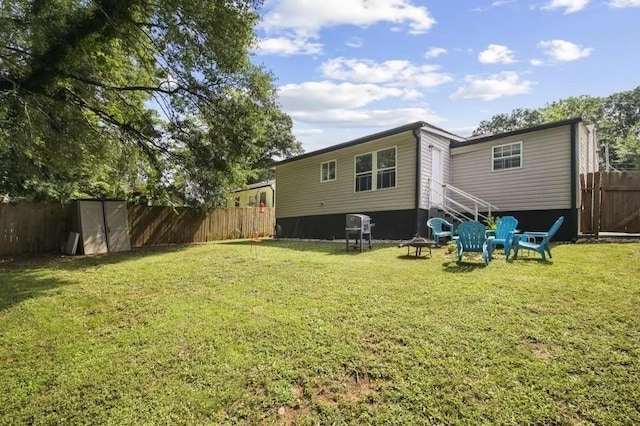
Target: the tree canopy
pixel 617 120
pixel 120 97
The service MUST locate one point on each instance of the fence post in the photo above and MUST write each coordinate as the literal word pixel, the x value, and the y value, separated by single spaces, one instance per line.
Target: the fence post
pixel 597 197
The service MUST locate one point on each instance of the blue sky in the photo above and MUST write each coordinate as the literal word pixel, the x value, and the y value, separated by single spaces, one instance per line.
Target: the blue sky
pixel 348 68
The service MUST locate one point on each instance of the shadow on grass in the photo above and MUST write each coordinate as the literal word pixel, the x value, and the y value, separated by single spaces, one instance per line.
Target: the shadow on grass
pixel 15 289
pixel 336 248
pixel 413 257
pixel 22 279
pixel 536 260
pixel 454 267
pixel 21 262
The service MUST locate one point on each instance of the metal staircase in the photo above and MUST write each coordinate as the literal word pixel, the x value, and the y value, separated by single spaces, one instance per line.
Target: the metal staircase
pixel 456 203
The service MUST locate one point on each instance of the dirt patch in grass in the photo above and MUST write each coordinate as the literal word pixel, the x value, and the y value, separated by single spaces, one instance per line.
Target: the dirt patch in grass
pixel 352 389
pixel 539 350
pixel 291 415
pixel 568 416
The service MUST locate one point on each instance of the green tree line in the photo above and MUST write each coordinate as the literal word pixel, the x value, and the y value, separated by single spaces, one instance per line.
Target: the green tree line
pixel 616 117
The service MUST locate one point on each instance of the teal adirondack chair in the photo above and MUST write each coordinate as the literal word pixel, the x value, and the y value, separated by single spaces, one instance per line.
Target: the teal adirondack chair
pixel 438 229
pixel 472 238
pixel 502 235
pixel 527 239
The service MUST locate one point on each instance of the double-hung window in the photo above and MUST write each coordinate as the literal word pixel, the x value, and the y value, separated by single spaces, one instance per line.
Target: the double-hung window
pixel 375 170
pixel 507 156
pixel 364 172
pixel 386 168
pixel 328 171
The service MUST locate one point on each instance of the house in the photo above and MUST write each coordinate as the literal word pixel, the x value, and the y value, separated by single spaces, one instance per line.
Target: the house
pixel 403 176
pixel 252 195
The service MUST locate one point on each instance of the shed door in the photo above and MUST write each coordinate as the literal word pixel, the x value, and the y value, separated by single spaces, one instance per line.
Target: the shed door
pixel 117 225
pixel 437 174
pixel 94 239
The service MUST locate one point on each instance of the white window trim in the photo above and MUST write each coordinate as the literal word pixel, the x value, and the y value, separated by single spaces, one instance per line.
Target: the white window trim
pixel 374 170
pixel 336 168
pixel 507 144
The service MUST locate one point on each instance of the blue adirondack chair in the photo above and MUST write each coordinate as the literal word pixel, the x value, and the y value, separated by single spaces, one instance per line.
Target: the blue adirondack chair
pixel 527 240
pixel 502 235
pixel 438 229
pixel 472 237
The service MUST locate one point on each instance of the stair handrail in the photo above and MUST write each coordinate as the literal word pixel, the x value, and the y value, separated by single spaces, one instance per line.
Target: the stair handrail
pixel 465 194
pixel 462 206
pixel 456 214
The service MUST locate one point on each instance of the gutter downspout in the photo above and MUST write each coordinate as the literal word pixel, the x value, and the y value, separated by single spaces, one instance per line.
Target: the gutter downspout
pixel 417 134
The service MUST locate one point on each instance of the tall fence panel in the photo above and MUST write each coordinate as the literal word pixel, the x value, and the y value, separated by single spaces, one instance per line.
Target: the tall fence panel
pixel 33 228
pixel 610 202
pixel 166 225
pixel 44 228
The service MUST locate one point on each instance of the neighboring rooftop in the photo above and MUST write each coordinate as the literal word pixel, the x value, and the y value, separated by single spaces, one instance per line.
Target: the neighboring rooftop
pixel 271 183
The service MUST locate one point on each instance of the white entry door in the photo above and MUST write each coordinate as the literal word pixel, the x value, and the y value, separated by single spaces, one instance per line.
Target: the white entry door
pixel 117 225
pixel 437 174
pixel 94 238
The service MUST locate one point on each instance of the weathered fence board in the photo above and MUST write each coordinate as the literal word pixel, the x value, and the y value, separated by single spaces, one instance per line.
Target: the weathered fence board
pixel 43 228
pixel 32 228
pixel 610 202
pixel 166 225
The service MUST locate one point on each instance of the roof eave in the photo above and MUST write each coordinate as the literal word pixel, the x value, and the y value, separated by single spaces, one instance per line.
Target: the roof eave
pixel 517 132
pixel 364 139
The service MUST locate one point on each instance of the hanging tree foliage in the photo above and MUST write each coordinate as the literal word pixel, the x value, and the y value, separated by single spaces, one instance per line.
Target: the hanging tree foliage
pixel 113 97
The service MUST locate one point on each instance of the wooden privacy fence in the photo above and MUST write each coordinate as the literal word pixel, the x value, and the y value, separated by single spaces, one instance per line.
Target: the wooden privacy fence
pixel 166 225
pixel 44 228
pixel 33 228
pixel 610 202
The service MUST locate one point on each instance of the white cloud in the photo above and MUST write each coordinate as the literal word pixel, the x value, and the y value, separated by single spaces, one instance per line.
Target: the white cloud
pixel 395 73
pixel 617 4
pixel 496 54
pixel 463 131
pixel 366 118
pixel 305 133
pixel 288 45
pixel 507 83
pixel 435 52
pixel 309 16
pixel 497 3
pixel 355 42
pixel 537 62
pixel 322 95
pixel 564 51
pixel 569 6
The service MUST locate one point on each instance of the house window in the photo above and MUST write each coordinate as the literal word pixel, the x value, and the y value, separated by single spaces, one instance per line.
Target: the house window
pixel 328 171
pixel 386 167
pixel 252 200
pixel 364 172
pixel 507 156
pixel 263 198
pixel 236 201
pixel 376 170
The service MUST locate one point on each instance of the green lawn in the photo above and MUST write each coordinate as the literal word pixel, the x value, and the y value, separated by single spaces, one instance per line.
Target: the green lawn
pixel 304 333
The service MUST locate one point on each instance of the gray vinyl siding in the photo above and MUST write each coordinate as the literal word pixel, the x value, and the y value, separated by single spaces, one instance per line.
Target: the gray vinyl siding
pixel 439 142
pixel 542 183
pixel 300 192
